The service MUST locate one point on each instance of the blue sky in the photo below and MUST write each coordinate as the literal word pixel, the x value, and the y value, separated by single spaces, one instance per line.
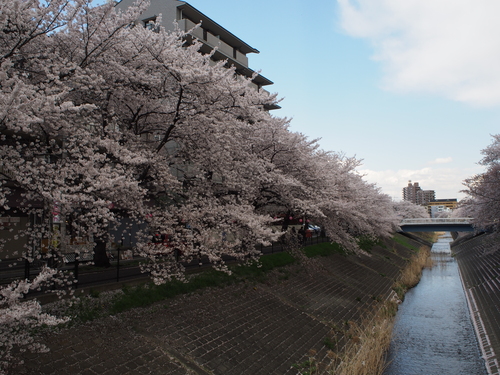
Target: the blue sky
pixel 411 87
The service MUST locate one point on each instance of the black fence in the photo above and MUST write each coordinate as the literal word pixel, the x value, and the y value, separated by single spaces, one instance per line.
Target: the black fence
pixel 82 273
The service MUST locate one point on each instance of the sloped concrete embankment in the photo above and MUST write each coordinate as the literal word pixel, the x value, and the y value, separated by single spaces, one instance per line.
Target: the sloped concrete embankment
pixel 479 263
pixel 266 328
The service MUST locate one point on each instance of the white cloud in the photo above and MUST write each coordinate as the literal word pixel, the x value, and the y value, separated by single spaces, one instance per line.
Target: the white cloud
pixel 446 182
pixel 449 159
pixel 448 47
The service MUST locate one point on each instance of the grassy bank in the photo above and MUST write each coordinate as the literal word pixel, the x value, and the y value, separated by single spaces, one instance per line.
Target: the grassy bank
pixel 327 248
pixel 98 304
pixel 147 294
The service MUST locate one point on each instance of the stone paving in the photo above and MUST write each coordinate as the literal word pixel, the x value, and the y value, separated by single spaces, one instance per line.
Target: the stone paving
pixel 245 329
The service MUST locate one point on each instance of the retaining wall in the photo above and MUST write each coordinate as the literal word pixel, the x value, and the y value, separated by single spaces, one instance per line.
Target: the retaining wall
pixel 479 263
pixel 265 328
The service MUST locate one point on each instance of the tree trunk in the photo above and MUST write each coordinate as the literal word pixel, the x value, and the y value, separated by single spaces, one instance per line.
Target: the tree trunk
pixel 100 256
pixel 286 222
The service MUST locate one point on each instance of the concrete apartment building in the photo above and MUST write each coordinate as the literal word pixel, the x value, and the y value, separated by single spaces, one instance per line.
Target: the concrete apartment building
pixel 414 193
pixel 410 192
pixel 425 196
pixel 211 34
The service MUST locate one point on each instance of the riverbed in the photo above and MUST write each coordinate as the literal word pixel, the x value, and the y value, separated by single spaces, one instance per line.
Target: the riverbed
pixel 433 332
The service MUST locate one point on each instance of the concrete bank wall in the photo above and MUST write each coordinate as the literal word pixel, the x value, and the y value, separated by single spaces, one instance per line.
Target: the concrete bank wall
pixel 255 329
pixel 479 262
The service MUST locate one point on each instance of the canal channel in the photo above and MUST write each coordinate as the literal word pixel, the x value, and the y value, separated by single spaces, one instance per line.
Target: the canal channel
pixel 433 332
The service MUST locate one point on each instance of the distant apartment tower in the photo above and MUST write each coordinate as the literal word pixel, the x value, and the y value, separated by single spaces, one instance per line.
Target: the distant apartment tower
pixel 410 192
pixel 413 193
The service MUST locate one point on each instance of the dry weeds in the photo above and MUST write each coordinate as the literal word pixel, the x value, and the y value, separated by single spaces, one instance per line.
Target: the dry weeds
pixel 364 354
pixel 411 275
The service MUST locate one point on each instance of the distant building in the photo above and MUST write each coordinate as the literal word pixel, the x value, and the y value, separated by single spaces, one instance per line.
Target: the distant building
pixel 425 196
pixel 410 192
pixel 413 193
pixel 440 206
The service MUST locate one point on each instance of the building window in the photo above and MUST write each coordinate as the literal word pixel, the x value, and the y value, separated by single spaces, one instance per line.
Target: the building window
pixel 150 23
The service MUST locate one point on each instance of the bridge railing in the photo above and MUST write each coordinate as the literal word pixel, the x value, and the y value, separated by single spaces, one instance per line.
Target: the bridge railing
pixel 430 221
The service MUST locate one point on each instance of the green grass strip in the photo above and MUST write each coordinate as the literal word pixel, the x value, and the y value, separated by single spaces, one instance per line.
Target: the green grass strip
pixel 367 243
pixel 323 249
pixel 147 294
pixel 402 241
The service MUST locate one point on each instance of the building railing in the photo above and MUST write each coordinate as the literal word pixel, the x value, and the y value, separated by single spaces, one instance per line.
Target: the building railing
pixel 213 41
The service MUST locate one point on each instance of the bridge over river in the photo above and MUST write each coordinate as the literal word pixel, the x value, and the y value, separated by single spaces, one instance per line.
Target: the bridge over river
pixel 457 224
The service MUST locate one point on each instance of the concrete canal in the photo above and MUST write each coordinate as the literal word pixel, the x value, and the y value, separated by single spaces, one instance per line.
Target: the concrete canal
pixel 433 333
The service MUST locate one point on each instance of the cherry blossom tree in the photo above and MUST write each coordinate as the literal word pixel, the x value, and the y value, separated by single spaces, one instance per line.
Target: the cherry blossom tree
pixel 18 319
pixel 106 126
pixel 409 210
pixel 111 125
pixel 483 200
pixel 323 187
pixel 103 123
pixel 461 211
pixel 44 160
pixel 353 208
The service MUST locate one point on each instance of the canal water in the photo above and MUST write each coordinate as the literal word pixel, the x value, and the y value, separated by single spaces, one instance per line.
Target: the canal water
pixel 433 332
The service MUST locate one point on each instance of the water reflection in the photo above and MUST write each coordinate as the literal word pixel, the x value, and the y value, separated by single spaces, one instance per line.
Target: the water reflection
pixel 433 333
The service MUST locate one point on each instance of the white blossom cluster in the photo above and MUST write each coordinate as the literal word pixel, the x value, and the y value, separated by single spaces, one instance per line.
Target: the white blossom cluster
pixel 409 210
pixel 483 193
pixel 18 319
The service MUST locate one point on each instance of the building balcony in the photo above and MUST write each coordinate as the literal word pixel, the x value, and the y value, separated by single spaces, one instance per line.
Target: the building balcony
pixel 224 51
pixel 213 41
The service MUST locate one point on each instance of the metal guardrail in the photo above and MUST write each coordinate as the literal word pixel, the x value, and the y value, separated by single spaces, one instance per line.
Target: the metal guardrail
pixel 433 221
